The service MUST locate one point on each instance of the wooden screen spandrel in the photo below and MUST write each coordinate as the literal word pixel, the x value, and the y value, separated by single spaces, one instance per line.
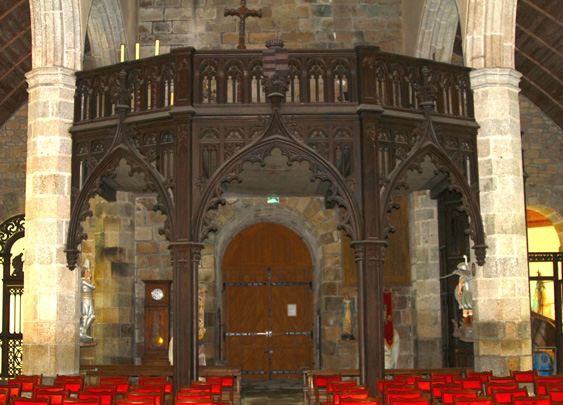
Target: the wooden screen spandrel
pixel 268 302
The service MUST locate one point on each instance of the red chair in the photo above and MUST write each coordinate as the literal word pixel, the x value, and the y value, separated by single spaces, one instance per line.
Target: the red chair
pixel 157 382
pixel 555 393
pixel 449 395
pixel 30 401
pixel 321 381
pixel 72 384
pixel 470 383
pixel 407 378
pixel 474 401
pixel 382 384
pixel 502 380
pixel 390 394
pixel 504 396
pixel 76 401
pixel 541 383
pixel 196 390
pixel 524 376
pixel 356 394
pixel 124 401
pixel 55 397
pixel 539 400
pixel 158 392
pixel 15 387
pixel 4 396
pixel 424 385
pixel 489 387
pixel 48 388
pixel 192 395
pixel 361 401
pixel 105 398
pixel 121 384
pixel 483 375
pixel 195 401
pixel 411 401
pixel 448 377
pixel 439 386
pixel 28 381
pixel 157 397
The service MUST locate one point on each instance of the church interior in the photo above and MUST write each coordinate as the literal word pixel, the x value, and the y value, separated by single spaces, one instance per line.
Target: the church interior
pixel 275 186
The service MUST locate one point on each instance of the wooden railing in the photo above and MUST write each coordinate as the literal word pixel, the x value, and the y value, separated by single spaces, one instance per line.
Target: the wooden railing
pixel 207 78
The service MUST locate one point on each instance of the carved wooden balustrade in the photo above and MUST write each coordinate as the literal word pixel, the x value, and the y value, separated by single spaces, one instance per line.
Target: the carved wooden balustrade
pixel 188 77
pixel 224 88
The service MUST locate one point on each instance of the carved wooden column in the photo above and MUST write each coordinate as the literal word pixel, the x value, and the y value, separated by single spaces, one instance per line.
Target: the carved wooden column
pixel 369 256
pixel 186 254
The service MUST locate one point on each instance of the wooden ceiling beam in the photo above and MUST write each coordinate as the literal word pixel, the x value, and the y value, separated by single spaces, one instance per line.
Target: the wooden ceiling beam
pixel 531 34
pixel 16 5
pixel 15 65
pixel 15 38
pixel 543 12
pixel 540 65
pixel 23 82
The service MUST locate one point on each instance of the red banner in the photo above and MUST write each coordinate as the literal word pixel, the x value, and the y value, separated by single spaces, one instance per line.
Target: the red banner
pixel 388 320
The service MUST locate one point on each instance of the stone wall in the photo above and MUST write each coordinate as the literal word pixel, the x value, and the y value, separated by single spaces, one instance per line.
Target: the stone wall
pixel 152 261
pixel 110 249
pixel 13 138
pixel 425 266
pixel 301 24
pixel 318 228
pixel 542 142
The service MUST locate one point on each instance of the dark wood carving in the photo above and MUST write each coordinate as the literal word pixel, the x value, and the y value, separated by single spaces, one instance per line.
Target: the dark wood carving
pixel 363 119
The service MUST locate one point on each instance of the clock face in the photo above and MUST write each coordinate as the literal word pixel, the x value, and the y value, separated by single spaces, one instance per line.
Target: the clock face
pixel 157 294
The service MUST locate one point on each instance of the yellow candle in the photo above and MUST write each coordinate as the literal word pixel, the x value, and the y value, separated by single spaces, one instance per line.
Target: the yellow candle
pixel 122 52
pixel 172 98
pixel 157 47
pixel 137 51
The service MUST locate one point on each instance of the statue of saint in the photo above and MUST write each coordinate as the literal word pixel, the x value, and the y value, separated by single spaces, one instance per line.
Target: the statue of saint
pixel 348 310
pixel 464 293
pixel 88 315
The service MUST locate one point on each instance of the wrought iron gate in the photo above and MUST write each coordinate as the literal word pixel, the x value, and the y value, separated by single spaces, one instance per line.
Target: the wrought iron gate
pixel 11 260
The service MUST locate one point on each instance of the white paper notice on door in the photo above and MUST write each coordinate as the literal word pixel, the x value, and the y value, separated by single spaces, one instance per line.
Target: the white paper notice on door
pixel 291 309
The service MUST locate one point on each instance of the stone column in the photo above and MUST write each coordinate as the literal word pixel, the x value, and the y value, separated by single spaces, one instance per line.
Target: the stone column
pixel 501 291
pixel 51 300
pixel 425 270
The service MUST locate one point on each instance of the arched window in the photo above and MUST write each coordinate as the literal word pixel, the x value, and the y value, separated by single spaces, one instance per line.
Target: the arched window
pixel 11 302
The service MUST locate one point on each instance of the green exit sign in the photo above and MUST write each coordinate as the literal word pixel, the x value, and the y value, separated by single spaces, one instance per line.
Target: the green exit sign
pixel 273 200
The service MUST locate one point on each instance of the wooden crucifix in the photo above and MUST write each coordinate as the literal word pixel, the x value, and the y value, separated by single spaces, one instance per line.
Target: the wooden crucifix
pixel 242 12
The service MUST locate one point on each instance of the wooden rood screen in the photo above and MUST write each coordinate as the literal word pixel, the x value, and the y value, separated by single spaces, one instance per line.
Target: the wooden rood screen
pixel 267 276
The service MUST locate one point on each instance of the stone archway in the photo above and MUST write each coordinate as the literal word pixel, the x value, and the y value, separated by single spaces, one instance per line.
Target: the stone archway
pixel 106 32
pixel 318 228
pixel 437 31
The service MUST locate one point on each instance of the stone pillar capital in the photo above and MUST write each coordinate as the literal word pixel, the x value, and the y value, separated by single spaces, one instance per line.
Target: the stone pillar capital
pixel 51 76
pixel 495 77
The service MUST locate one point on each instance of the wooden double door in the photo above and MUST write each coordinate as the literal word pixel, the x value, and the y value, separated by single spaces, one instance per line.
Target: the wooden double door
pixel 268 303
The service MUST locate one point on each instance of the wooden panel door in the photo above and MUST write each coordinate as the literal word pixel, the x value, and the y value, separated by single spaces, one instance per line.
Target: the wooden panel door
pixel 268 302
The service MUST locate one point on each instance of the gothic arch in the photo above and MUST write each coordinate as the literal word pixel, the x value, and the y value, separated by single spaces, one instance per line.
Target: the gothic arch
pixel 106 31
pixel 489 34
pixel 121 149
pixel 427 145
pixel 437 31
pixel 553 215
pixel 56 34
pixel 276 136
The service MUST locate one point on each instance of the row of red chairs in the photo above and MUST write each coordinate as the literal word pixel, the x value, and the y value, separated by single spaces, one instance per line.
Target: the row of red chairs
pixel 332 390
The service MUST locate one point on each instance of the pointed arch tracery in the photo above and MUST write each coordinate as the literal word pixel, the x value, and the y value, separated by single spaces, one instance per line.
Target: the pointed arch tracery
pixel 277 136
pixel 426 148
pixel 138 164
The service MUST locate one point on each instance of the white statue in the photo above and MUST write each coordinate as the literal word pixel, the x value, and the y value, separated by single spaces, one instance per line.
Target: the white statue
pixel 88 315
pixel 392 353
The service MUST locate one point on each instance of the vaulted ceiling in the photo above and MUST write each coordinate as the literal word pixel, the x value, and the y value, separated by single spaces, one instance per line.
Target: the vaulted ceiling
pixel 539 55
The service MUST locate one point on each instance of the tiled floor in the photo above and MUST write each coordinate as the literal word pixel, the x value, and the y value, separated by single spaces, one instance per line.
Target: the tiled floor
pixel 279 392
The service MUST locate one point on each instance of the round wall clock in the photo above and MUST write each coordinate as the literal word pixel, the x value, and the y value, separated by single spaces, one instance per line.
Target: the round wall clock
pixel 157 294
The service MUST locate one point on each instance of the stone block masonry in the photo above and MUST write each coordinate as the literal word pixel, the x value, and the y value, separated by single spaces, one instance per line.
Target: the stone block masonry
pixel 301 24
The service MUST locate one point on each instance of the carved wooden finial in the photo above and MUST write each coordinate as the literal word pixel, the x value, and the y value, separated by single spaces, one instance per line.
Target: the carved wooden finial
pixel 243 13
